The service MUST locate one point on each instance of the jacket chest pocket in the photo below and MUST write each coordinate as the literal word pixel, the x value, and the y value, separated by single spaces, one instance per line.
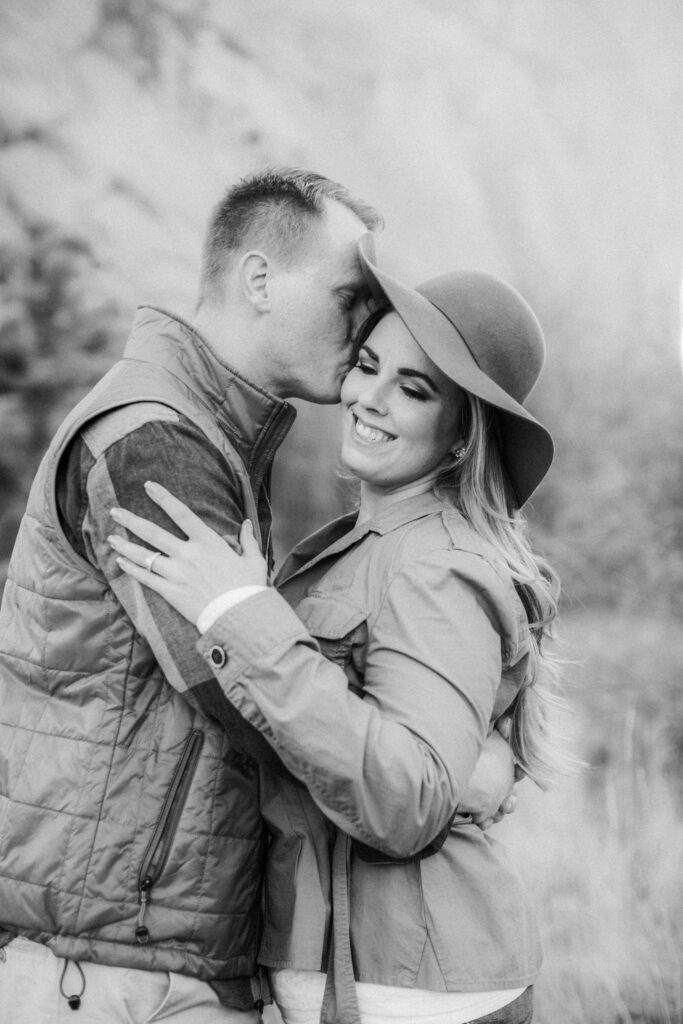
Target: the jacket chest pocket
pixel 340 627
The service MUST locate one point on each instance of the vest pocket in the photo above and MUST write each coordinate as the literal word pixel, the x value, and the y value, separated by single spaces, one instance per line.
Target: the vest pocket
pixel 156 854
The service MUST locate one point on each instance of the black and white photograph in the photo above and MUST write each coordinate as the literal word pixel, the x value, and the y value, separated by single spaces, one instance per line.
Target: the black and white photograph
pixel 341 512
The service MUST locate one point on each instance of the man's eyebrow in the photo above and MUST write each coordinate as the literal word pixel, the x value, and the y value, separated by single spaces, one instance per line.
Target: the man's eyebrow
pixel 352 284
pixel 355 280
pixel 406 371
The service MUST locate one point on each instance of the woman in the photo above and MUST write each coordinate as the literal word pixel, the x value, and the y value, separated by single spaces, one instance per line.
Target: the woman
pixel 430 609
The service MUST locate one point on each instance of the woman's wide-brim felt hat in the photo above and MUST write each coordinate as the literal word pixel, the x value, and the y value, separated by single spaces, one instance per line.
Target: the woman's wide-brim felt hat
pixel 482 334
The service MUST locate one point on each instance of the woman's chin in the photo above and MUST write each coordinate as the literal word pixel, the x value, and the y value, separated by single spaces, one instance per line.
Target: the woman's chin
pixel 349 459
pixel 356 462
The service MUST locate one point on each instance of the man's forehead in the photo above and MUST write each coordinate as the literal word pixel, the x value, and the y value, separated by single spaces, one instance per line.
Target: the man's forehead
pixel 353 268
pixel 363 283
pixel 337 240
pixel 343 225
pixel 353 271
pixel 367 243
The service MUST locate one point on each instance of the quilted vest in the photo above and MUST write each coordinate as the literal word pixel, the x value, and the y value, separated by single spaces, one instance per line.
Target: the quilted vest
pixel 130 832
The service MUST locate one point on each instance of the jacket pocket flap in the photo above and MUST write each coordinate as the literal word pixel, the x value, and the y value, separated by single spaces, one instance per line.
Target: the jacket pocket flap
pixel 329 618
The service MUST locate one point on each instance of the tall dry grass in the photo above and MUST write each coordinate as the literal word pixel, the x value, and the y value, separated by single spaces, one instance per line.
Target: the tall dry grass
pixel 603 854
pixel 603 860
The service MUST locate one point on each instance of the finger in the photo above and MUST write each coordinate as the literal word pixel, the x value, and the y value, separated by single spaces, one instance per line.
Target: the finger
pixel 504 727
pixel 175 509
pixel 160 539
pixel 508 806
pixel 485 824
pixel 250 545
pixel 141 556
pixel 148 579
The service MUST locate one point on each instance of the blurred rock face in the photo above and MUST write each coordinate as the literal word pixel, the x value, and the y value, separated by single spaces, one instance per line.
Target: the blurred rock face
pixel 533 138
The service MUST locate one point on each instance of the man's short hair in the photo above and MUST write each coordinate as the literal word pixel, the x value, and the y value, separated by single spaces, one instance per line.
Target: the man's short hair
pixel 272 210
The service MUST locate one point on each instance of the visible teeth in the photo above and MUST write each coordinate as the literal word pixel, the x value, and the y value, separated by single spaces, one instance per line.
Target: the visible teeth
pixel 371 434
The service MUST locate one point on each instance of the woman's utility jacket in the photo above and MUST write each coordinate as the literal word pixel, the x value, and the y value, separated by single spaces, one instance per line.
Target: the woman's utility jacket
pixel 425 644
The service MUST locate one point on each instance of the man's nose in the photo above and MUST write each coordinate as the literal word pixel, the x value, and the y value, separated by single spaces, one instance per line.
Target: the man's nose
pixel 359 313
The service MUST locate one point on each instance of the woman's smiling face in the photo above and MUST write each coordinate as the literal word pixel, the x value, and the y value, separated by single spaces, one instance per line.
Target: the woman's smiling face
pixel 401 413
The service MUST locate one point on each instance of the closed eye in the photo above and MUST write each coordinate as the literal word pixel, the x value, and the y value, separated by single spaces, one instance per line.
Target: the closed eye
pixel 420 396
pixel 370 369
pixel 347 300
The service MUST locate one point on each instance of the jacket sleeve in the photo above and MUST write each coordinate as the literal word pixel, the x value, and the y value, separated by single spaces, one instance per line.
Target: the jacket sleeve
pixel 388 769
pixel 115 462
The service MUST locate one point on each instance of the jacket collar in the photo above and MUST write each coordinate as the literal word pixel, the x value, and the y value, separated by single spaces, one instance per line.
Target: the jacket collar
pixel 255 421
pixel 344 532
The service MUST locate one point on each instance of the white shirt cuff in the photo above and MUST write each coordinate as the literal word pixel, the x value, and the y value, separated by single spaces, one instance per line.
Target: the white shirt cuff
pixel 223 603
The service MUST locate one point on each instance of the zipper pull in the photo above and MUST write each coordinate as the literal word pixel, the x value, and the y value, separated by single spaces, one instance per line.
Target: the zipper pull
pixel 141 932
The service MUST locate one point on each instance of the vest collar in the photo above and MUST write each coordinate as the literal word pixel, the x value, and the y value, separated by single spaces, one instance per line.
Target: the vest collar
pixel 255 421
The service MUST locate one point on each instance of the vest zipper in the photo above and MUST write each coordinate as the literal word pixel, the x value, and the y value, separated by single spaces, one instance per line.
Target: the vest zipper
pixel 159 847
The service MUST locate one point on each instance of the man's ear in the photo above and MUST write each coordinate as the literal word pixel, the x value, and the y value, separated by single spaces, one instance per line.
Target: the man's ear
pixel 253 272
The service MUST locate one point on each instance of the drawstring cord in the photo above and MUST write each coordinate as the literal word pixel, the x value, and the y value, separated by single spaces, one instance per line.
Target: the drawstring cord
pixel 74 1001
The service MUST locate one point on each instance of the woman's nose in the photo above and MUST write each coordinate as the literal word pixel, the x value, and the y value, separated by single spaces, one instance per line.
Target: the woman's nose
pixel 373 396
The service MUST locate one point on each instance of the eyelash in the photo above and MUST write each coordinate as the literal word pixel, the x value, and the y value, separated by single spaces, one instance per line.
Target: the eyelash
pixel 417 395
pixel 369 370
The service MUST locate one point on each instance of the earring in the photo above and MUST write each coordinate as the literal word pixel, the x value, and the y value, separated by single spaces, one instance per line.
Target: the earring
pixel 458 453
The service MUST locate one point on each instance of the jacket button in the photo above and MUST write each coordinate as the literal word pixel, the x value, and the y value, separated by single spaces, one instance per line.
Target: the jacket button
pixel 218 656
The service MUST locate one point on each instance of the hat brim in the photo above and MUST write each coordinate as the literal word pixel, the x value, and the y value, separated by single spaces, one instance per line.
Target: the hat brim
pixel 526 446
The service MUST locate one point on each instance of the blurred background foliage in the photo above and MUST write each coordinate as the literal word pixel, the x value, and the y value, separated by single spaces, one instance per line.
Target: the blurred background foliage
pixel 532 138
pixel 537 139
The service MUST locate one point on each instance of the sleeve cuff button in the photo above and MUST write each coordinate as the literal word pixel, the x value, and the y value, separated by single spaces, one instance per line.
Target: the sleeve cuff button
pixel 218 656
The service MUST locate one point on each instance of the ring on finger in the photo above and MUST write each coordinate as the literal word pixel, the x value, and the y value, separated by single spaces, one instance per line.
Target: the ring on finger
pixel 150 560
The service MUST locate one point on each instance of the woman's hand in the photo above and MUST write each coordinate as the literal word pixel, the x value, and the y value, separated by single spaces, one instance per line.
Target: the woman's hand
pixel 190 573
pixel 492 789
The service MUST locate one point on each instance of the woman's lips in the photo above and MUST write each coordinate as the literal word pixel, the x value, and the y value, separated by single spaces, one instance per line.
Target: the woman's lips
pixel 370 434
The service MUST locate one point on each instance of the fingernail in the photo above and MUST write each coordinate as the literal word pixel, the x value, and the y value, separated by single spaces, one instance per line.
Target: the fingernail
pixel 151 486
pixel 116 513
pixel 112 540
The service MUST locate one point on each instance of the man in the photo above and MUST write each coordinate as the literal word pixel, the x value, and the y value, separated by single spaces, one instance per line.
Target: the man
pixel 131 844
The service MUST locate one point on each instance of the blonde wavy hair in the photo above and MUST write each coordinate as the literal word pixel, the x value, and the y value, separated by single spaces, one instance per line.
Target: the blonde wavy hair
pixel 477 484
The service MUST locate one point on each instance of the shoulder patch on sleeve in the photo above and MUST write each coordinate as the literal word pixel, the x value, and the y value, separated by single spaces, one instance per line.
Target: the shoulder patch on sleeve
pixel 104 431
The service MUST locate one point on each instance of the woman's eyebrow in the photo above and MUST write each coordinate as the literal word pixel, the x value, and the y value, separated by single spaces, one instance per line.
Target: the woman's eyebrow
pixel 406 371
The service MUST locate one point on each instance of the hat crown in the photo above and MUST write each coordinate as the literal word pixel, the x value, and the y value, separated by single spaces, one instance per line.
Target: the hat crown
pixel 497 325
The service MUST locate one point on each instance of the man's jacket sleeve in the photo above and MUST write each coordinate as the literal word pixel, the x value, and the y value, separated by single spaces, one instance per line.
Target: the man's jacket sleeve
pixel 170 450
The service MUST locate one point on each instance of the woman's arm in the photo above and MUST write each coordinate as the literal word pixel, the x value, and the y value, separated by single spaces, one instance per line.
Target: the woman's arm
pixel 389 769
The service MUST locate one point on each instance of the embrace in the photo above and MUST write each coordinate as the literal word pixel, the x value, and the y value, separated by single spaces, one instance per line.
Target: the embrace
pixel 216 785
